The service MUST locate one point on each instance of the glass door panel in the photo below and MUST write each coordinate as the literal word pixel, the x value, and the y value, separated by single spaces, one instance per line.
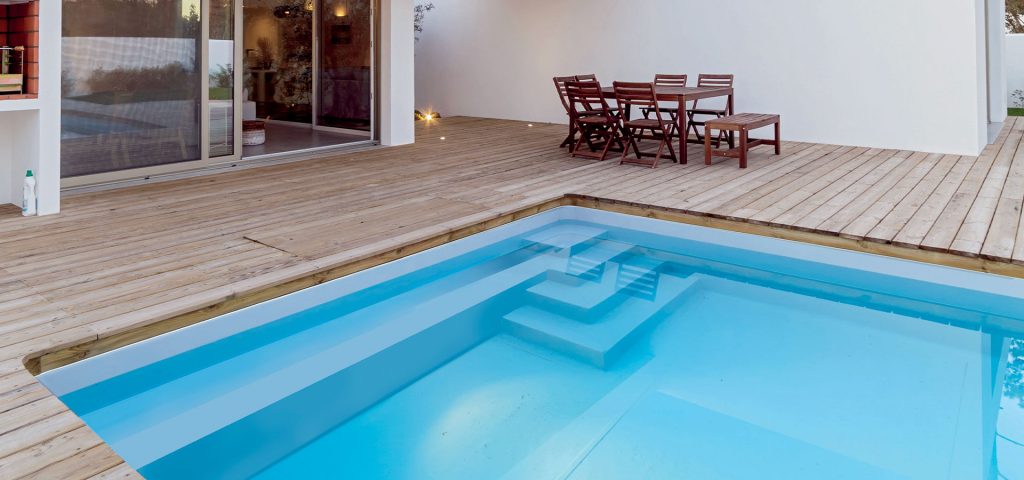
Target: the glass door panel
pixel 130 84
pixel 222 77
pixel 278 42
pixel 346 59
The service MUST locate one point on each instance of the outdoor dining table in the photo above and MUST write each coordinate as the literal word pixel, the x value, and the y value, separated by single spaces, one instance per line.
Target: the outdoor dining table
pixel 682 95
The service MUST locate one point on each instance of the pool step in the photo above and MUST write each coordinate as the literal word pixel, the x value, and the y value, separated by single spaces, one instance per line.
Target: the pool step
pixel 601 342
pixel 591 263
pixel 354 372
pixel 639 276
pixel 667 437
pixel 569 238
pixel 589 301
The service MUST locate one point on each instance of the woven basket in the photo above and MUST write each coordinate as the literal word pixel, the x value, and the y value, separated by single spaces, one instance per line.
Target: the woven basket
pixel 254 132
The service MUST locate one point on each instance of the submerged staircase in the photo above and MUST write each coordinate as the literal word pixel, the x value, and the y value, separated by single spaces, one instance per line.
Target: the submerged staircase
pixel 600 304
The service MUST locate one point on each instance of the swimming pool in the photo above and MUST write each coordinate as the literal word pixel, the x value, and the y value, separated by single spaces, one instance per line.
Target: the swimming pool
pixel 585 344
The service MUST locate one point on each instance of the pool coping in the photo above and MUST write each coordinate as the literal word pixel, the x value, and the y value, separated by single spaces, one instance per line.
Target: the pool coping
pixel 166 318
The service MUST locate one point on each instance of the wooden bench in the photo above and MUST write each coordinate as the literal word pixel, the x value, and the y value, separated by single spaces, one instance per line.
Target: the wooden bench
pixel 741 123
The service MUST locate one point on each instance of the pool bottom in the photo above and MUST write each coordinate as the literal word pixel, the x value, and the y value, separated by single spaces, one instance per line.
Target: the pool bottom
pixel 739 382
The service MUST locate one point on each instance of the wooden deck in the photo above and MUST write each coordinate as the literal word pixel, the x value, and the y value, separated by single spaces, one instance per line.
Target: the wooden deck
pixel 116 261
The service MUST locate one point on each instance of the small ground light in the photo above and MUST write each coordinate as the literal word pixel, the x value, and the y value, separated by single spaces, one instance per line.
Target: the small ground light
pixel 442 138
pixel 429 116
pixel 529 124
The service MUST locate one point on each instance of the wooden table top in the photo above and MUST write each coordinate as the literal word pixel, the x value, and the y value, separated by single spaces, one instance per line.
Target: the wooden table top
pixel 674 93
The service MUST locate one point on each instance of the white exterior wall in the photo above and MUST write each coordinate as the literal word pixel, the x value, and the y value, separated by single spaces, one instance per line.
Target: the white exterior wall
pixel 397 82
pixel 997 96
pixel 874 73
pixel 1014 65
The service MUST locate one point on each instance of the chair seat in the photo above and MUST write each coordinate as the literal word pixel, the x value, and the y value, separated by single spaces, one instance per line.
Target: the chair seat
pixel 595 120
pixel 643 123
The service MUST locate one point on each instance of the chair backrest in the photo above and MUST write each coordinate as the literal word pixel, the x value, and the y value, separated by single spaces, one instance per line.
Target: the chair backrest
pixel 586 98
pixel 560 87
pixel 667 80
pixel 587 77
pixel 715 80
pixel 633 94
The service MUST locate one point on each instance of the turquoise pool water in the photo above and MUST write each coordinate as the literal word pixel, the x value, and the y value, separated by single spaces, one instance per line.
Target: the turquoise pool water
pixel 584 350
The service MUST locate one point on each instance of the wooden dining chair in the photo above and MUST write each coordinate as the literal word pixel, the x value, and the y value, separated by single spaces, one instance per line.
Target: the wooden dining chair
pixel 598 125
pixel 668 80
pixel 560 82
pixel 643 96
pixel 708 80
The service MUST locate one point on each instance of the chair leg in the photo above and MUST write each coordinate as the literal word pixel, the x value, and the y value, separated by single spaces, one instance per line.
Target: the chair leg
pixel 634 134
pixel 613 133
pixel 571 138
pixel 668 142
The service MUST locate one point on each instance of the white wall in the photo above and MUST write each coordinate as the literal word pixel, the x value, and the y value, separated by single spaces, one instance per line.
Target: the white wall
pixel 1014 65
pixel 875 73
pixel 397 75
pixel 997 96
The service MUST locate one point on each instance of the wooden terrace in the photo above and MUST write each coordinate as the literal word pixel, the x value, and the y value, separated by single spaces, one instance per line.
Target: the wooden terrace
pixel 121 265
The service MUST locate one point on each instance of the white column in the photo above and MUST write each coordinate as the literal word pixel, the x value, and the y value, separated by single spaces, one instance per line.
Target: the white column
pixel 997 97
pixel 397 83
pixel 48 159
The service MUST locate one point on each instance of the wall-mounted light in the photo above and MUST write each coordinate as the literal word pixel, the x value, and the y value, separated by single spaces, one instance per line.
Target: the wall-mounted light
pixel 340 11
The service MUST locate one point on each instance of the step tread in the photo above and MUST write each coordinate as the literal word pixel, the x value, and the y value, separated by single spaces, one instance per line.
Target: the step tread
pixel 589 295
pixel 595 340
pixel 174 429
pixel 565 236
pixel 668 437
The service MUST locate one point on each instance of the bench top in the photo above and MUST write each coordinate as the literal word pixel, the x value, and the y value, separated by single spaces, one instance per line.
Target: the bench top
pixel 743 121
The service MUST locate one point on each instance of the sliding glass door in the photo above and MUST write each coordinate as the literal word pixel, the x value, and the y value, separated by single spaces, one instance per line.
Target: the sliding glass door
pixel 221 74
pixel 131 84
pixel 157 86
pixel 278 38
pixel 345 67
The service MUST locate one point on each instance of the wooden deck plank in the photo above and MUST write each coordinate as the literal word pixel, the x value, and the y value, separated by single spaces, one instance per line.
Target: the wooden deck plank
pixel 942 234
pixel 894 221
pixel 117 260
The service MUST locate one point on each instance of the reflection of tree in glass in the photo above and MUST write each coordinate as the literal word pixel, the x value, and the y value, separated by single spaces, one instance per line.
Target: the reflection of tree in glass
pixel 129 18
pixel 1013 387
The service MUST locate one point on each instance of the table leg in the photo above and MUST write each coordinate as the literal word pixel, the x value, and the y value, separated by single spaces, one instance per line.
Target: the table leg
pixel 707 148
pixel 778 138
pixel 683 134
pixel 743 148
pixel 731 111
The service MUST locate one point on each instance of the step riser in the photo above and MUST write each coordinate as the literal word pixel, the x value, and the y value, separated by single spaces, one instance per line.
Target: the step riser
pixel 598 358
pixel 641 288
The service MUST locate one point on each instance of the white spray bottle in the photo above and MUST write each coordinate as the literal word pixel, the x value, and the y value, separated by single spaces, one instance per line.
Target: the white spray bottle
pixel 28 199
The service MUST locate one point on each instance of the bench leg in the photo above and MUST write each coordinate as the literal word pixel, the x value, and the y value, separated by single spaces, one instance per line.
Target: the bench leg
pixel 778 137
pixel 743 148
pixel 707 148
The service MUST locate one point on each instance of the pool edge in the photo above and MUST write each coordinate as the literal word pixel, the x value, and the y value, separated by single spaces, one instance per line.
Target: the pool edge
pixel 319 271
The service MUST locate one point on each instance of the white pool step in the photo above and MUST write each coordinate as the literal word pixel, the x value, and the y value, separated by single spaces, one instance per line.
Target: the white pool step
pixel 598 343
pixel 667 437
pixel 588 301
pixel 570 238
pixel 392 353
pixel 589 263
